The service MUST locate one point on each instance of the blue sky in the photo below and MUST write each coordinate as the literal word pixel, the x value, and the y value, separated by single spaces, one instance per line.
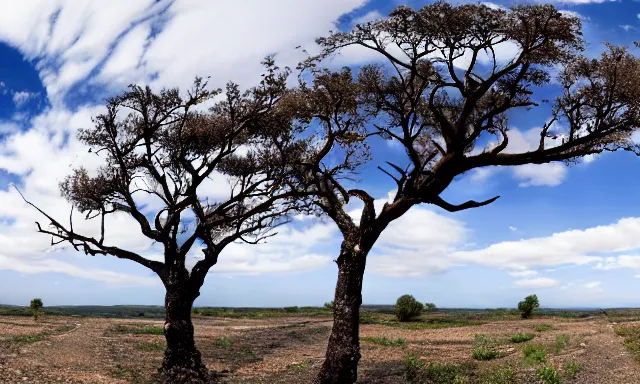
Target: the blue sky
pixel 571 235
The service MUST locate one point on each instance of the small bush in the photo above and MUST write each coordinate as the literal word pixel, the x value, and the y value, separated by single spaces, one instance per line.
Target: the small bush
pixel 562 341
pixel 521 337
pixel 407 307
pixel 36 307
pixel 481 353
pixel 222 342
pixel 386 342
pixel 429 307
pixel 548 375
pixel 413 367
pixel 528 305
pixel 536 354
pixel 291 309
pixel 499 374
pixel 329 305
pixel 571 369
pixel 543 327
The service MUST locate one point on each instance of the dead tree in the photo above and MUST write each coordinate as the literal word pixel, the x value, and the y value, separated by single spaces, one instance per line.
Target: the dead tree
pixel 158 145
pixel 442 92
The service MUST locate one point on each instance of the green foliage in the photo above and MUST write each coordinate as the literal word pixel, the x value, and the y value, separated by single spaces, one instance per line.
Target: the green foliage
pixel 498 374
pixel 399 342
pixel 543 327
pixel 481 353
pixel 562 341
pixel 329 305
pixel 535 353
pixel 30 338
pixel 571 369
pixel 521 337
pixel 548 375
pixel 407 307
pixel 417 371
pixel 140 330
pixel 291 309
pixel 222 342
pixel 36 307
pixel 429 307
pixel 156 346
pixel 631 334
pixel 528 305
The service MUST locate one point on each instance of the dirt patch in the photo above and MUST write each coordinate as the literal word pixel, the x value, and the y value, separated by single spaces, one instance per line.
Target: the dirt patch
pixel 290 350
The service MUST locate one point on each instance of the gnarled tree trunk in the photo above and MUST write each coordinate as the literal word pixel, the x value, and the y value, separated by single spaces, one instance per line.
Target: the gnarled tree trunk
pixel 182 361
pixel 343 352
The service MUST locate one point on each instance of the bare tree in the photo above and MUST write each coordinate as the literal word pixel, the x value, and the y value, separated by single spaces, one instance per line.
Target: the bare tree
pixel 158 145
pixel 441 90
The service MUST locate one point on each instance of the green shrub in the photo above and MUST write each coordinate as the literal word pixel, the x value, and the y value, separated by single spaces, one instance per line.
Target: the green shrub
pixel 407 307
pixel 386 342
pixel 528 305
pixel 548 375
pixel 521 337
pixel 562 341
pixel 429 307
pixel 543 327
pixel 329 305
pixel 499 374
pixel 535 353
pixel 222 342
pixel 413 367
pixel 36 307
pixel 291 309
pixel 481 353
pixel 571 369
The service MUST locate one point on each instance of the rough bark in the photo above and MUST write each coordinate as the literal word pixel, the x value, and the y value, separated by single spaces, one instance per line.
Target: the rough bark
pixel 182 361
pixel 343 352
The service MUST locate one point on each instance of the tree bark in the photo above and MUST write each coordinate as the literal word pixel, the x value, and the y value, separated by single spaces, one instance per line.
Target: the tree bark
pixel 182 361
pixel 343 352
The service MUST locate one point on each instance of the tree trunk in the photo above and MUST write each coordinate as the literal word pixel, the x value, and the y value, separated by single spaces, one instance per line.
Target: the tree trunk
pixel 182 361
pixel 343 352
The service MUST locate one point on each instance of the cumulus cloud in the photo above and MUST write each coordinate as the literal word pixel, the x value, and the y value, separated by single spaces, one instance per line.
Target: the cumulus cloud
pixel 162 43
pixel 594 286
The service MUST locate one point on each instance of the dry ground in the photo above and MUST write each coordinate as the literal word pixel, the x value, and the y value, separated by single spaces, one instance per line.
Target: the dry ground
pixel 289 350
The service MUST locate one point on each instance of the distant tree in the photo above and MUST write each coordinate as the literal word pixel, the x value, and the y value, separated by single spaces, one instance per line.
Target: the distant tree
pixel 429 307
pixel 329 305
pixel 439 90
pixel 36 308
pixel 158 146
pixel 528 305
pixel 407 307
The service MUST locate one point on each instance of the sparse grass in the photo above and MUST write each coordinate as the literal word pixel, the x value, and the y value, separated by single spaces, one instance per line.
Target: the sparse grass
pixel 571 369
pixel 562 341
pixel 156 346
pixel 417 371
pixel 250 352
pixel 543 327
pixel 534 353
pixel 481 353
pixel 133 375
pixel 137 330
pixel 222 342
pixel 367 317
pixel 498 374
pixel 30 338
pixel 262 313
pixel 548 375
pixel 631 334
pixel 521 337
pixel 399 342
pixel 299 367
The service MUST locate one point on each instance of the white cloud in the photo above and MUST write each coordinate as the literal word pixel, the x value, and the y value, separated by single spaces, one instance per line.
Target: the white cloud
pixel 367 17
pixel 570 247
pixel 511 228
pixel 594 286
pixel 525 273
pixel 22 97
pixel 538 282
pixel 79 44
